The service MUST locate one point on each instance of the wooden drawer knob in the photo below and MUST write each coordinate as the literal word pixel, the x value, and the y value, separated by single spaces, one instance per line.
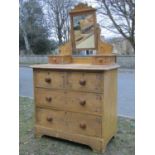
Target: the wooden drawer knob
pixel 83 126
pixel 55 60
pixel 49 119
pixel 48 80
pixel 82 82
pixel 82 102
pixel 100 60
pixel 48 99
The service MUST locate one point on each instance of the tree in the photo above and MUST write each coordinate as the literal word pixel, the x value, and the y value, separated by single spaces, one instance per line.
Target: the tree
pixel 33 27
pixel 22 27
pixel 43 46
pixel 121 17
pixel 57 15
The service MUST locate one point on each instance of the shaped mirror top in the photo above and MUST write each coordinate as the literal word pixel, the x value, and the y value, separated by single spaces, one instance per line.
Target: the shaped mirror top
pixel 83 28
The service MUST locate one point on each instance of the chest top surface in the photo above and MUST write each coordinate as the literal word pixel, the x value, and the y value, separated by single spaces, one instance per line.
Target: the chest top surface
pixel 76 67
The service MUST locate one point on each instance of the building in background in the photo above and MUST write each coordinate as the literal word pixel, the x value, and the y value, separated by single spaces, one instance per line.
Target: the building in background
pixel 121 46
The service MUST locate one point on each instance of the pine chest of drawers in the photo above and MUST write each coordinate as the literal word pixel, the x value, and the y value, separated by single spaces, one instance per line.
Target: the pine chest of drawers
pixel 76 103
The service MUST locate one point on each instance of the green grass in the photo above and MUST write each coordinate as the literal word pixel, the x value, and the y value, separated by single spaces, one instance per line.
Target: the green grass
pixel 122 144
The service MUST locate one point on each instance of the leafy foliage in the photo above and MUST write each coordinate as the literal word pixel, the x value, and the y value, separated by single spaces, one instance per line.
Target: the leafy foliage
pixel 42 46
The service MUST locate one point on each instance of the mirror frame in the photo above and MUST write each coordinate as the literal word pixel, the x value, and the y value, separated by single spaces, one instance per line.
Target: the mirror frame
pixel 82 9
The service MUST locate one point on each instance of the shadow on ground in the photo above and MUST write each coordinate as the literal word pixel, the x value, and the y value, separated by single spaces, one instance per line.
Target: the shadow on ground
pixel 122 144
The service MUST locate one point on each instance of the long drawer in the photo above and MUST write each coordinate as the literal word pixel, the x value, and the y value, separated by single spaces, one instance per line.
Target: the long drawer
pixel 69 100
pixel 72 80
pixel 69 122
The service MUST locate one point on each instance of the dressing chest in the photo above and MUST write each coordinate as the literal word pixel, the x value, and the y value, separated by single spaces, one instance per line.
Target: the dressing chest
pixel 76 97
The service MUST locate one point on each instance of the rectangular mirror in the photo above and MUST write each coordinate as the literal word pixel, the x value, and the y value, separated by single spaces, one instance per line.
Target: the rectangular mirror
pixel 84 31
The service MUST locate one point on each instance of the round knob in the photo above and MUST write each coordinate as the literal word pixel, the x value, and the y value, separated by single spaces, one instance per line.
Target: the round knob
pixel 83 126
pixel 48 99
pixel 49 119
pixel 100 60
pixel 82 82
pixel 48 80
pixel 82 102
pixel 55 60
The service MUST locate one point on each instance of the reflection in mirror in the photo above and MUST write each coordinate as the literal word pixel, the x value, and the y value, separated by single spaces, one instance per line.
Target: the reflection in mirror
pixel 84 31
pixel 84 53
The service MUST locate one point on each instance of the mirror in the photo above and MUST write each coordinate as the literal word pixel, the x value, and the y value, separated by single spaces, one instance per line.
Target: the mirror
pixel 84 31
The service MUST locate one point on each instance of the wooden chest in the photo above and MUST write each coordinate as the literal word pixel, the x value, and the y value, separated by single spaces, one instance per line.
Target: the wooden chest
pixel 76 102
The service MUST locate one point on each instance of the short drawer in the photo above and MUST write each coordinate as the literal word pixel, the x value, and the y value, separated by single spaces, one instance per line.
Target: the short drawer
pixel 59 59
pixel 50 98
pixel 71 122
pixel 85 102
pixel 103 60
pixel 49 79
pixel 83 81
pixel 68 100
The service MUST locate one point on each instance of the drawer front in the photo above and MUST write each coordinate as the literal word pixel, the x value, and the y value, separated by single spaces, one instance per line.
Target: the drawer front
pixel 83 81
pixel 73 101
pixel 59 59
pixel 49 79
pixel 50 98
pixel 104 60
pixel 69 122
pixel 85 102
pixel 51 118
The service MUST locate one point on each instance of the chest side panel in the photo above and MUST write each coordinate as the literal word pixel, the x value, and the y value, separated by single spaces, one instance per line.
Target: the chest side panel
pixel 110 105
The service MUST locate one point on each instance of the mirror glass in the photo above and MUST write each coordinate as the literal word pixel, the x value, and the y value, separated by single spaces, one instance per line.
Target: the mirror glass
pixel 83 29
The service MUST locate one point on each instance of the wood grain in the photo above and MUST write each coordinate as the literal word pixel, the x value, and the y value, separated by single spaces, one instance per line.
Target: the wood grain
pixel 76 97
pixel 96 143
pixel 92 82
pixel 109 122
pixel 69 100
pixel 48 79
pixel 71 122
pixel 60 59
pixel 79 67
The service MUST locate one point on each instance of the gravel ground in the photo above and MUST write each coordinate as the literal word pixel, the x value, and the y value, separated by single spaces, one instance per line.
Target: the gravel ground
pixel 126 89
pixel 122 144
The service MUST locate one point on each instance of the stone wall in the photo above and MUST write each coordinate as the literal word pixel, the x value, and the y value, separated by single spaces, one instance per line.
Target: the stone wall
pixel 126 61
pixel 33 59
